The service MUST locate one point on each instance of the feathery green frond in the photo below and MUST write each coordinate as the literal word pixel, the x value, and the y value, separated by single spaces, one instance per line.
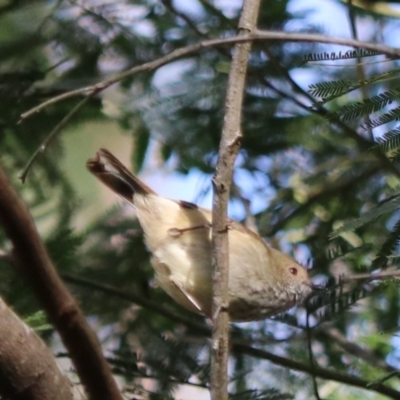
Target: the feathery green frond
pixel 389 116
pixel 334 299
pixel 334 55
pixel 340 248
pixel 327 91
pixel 387 248
pixel 390 140
pixel 38 322
pixel 366 107
pixel 141 138
pixel 168 357
pixel 338 301
pixel 63 248
pixel 373 214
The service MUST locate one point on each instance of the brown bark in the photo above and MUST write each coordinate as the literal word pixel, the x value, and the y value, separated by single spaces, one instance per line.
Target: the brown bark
pixel 33 262
pixel 28 370
pixel 228 150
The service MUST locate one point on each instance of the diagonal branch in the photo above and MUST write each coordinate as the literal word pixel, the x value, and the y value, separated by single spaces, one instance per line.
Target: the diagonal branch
pixel 206 44
pixel 189 50
pixel 34 263
pixel 52 135
pixel 132 297
pixel 360 69
pixel 333 334
pixel 333 189
pixel 28 369
pixel 318 372
pixel 317 107
pixel 237 344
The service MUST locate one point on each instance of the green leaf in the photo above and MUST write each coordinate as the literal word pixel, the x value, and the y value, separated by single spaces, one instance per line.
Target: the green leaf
pixel 38 322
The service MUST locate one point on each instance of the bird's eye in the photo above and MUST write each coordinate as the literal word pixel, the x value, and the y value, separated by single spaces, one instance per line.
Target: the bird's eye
pixel 293 271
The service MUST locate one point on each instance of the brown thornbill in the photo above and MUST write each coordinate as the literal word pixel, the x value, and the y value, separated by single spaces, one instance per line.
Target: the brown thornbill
pixel 262 280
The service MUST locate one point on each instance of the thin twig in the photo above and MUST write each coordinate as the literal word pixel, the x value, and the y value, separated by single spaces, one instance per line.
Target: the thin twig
pixel 370 277
pixel 332 333
pixel 170 6
pixel 311 357
pixel 52 135
pixel 228 150
pixel 320 372
pixel 132 297
pixel 33 262
pixel 237 344
pixel 359 65
pixel 103 19
pixel 191 49
pixel 332 189
pixel 123 366
pixel 318 109
pixel 385 378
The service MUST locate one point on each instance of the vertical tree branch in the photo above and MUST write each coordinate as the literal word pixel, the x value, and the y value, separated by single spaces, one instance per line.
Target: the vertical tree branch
pixel 228 150
pixel 34 263
pixel 28 369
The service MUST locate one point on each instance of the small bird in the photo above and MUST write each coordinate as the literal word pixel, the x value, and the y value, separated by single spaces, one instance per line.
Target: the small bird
pixel 262 280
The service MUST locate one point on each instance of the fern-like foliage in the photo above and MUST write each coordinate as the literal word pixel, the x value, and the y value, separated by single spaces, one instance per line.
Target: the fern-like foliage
pixel 169 362
pixel 330 90
pixel 389 141
pixel 327 91
pixel 390 244
pixel 369 106
pixel 334 301
pixel 384 208
pixel 334 55
pixel 384 119
pixel 394 156
pixel 339 248
pixel 170 359
pixel 63 248
pixel 38 321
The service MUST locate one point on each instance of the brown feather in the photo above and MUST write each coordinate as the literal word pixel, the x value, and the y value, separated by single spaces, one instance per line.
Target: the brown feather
pixel 262 280
pixel 121 181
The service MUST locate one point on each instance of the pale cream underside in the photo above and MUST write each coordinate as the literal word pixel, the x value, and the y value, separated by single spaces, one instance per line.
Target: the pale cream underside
pixel 184 261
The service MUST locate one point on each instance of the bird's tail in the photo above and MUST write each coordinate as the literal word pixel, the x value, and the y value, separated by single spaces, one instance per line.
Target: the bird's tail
pixel 109 170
